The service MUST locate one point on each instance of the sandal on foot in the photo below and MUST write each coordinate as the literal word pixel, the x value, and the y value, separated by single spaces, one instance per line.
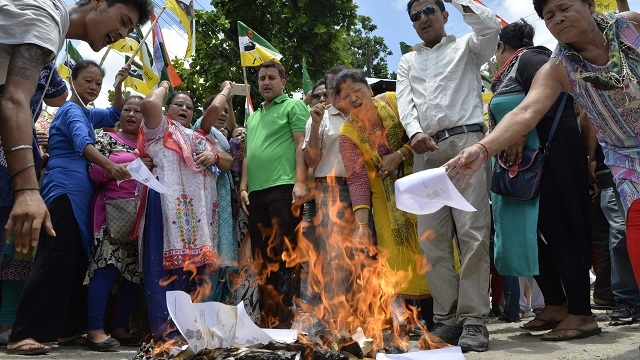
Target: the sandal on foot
pixel 29 348
pixel 546 325
pixel 581 334
pixel 106 345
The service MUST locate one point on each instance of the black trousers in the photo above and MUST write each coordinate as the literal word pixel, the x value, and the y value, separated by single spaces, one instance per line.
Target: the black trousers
pixel 54 301
pixel 272 218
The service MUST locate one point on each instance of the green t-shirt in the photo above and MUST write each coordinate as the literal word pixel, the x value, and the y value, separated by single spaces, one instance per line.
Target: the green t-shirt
pixel 271 150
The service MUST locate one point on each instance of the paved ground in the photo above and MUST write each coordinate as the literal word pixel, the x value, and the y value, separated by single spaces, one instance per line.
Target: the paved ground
pixel 507 342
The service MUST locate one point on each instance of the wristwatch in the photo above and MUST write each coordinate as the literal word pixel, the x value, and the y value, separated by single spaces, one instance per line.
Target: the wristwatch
pixel 591 158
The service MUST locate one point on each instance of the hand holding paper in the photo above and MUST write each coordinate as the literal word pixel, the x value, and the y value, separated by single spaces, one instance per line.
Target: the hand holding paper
pixel 425 192
pixel 141 173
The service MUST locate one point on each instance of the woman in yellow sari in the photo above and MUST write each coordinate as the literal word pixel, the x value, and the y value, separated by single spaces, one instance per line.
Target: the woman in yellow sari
pixel 375 152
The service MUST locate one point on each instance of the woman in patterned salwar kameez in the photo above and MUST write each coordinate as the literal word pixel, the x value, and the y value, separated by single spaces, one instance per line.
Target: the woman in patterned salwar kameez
pixel 178 234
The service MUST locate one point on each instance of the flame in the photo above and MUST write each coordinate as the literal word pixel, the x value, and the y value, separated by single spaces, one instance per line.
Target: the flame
pixel 354 282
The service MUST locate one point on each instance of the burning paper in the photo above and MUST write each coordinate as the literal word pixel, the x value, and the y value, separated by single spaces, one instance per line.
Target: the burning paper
pixel 140 172
pixel 449 353
pixel 211 325
pixel 425 192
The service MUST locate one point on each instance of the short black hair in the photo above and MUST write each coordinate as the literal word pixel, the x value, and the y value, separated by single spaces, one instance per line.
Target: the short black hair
pixel 132 97
pixel 517 34
pixel 439 4
pixel 333 72
pixel 144 7
pixel 539 4
pixel 273 64
pixel 356 76
pixel 83 64
pixel 317 85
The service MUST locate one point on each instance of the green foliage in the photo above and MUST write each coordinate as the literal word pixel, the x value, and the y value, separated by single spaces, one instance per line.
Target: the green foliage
pixel 327 33
pixel 112 95
pixel 361 44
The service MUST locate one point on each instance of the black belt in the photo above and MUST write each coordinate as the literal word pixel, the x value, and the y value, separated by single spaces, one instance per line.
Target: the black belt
pixel 332 180
pixel 456 130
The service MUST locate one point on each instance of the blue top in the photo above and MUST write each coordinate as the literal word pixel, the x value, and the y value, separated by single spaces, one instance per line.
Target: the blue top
pixel 67 170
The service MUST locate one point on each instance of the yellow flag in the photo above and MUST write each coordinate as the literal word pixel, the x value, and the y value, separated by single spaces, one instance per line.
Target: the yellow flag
pixel 605 6
pixel 185 12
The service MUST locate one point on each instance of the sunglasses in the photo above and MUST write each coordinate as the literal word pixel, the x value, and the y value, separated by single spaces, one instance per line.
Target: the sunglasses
pixel 427 10
pixel 182 104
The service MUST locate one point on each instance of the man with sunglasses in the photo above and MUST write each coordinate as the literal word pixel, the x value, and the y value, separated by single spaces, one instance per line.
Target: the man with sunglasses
pixel 440 106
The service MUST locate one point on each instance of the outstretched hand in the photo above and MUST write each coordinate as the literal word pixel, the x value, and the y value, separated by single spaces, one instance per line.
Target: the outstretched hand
pixel 465 164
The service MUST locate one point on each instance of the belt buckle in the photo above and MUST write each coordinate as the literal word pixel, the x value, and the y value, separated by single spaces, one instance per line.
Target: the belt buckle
pixel 446 134
pixel 464 127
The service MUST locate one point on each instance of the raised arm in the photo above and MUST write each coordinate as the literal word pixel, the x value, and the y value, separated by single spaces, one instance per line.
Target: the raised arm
pixel 486 28
pixel 216 108
pixel 312 154
pixel 151 106
pixel 118 98
pixel 29 212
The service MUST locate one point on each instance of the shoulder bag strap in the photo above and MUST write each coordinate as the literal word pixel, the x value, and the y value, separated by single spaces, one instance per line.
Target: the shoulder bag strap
pixel 555 122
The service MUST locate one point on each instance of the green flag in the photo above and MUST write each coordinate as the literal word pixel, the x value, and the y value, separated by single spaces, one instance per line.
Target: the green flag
pixel 254 50
pixel 73 56
pixel 307 84
pixel 405 48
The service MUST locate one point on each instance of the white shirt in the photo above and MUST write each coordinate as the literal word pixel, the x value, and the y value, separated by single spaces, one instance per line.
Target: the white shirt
pixel 40 22
pixel 330 162
pixel 439 88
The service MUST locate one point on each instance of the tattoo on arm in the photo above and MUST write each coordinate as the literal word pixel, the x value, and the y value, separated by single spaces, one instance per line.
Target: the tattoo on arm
pixel 27 61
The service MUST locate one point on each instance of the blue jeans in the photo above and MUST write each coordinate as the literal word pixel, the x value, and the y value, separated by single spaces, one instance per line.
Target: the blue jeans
pixel 623 283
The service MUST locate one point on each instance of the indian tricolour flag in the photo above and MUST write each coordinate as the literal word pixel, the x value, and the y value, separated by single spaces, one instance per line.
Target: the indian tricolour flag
pixel 254 50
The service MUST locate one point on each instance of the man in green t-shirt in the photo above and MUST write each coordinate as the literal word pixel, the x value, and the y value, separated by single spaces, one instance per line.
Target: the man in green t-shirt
pixel 272 188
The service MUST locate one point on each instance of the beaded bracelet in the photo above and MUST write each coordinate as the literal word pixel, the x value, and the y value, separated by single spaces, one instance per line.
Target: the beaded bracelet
pixel 22 170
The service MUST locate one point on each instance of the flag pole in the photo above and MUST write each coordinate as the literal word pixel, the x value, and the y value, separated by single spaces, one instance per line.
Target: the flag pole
pixel 244 75
pixel 104 57
pixel 135 52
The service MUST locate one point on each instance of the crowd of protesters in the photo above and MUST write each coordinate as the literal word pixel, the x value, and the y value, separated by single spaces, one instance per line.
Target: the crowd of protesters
pixel 242 203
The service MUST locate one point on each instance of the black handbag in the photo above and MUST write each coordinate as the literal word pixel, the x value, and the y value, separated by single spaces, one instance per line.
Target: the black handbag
pixel 523 183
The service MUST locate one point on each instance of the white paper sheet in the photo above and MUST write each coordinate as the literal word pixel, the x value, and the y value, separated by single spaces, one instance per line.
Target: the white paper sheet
pixel 212 325
pixel 427 191
pixel 186 318
pixel 450 353
pixel 141 173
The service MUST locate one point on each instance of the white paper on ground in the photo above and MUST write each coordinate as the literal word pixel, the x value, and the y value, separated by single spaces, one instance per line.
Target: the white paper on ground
pixel 141 173
pixel 187 320
pixel 450 353
pixel 248 333
pixel 211 325
pixel 426 191
pixel 288 336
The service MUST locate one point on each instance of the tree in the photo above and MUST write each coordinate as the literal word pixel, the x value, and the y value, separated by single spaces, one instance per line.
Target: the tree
pixel 367 51
pixel 297 28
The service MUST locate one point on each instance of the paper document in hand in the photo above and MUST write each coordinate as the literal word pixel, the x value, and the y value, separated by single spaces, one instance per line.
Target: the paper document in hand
pixel 427 191
pixel 141 173
pixel 450 353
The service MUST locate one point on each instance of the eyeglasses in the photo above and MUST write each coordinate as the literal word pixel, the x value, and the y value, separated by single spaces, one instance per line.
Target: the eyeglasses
pixel 183 104
pixel 319 95
pixel 417 15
